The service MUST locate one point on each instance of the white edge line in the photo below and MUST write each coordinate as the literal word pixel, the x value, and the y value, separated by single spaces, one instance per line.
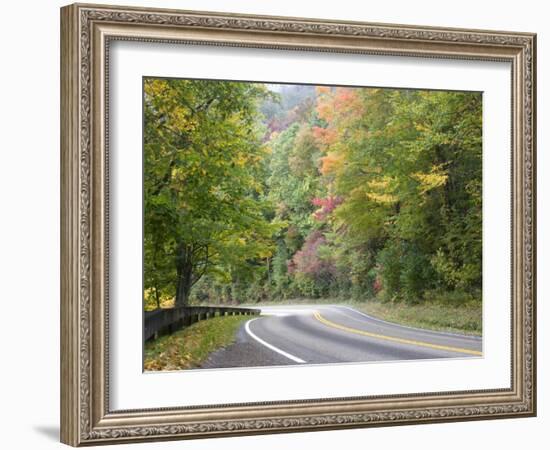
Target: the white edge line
pixel 269 346
pixel 466 336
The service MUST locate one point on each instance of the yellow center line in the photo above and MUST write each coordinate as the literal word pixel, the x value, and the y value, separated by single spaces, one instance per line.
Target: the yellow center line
pixel 327 322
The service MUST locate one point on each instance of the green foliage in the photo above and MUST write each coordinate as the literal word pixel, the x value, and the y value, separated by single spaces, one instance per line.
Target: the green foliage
pixel 204 203
pixel 280 278
pixel 391 266
pixel 408 166
pixel 252 195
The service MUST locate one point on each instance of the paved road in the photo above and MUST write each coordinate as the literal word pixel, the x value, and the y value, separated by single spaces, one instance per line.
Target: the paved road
pixel 322 334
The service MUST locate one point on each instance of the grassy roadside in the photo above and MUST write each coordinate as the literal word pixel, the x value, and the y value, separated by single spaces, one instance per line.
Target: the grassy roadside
pixel 191 346
pixel 464 318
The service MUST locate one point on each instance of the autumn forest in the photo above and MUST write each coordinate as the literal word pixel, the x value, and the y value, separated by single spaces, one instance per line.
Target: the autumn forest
pixel 257 192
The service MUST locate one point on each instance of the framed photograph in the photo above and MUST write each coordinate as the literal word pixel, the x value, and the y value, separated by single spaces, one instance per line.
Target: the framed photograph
pixel 276 224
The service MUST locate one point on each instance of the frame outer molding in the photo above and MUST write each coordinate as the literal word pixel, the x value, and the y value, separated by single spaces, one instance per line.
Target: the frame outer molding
pixel 85 34
pixel 70 313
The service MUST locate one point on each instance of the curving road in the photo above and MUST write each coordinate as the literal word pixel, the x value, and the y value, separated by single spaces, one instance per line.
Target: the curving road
pixel 322 334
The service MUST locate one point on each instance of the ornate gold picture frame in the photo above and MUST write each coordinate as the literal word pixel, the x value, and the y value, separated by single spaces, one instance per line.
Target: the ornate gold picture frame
pixel 87 33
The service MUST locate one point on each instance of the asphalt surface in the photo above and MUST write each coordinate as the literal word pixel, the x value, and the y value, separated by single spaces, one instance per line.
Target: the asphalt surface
pixel 323 334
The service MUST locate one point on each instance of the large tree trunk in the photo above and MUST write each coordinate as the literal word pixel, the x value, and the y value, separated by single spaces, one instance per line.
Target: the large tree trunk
pixel 184 270
pixel 191 264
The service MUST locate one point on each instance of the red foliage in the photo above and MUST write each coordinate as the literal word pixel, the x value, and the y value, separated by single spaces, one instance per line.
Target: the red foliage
pixel 326 206
pixel 307 260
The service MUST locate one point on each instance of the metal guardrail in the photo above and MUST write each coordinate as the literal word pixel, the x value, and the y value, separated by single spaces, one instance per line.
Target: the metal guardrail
pixel 167 320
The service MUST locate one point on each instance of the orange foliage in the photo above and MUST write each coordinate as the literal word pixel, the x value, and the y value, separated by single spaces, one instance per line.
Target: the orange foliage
pixel 325 109
pixel 341 100
pixel 337 107
pixel 330 162
pixel 325 136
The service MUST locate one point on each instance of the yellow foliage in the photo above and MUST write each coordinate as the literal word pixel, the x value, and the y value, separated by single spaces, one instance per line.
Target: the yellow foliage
pixel 380 183
pixel 381 191
pixel 266 253
pixel 433 179
pixel 421 127
pixel 382 198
